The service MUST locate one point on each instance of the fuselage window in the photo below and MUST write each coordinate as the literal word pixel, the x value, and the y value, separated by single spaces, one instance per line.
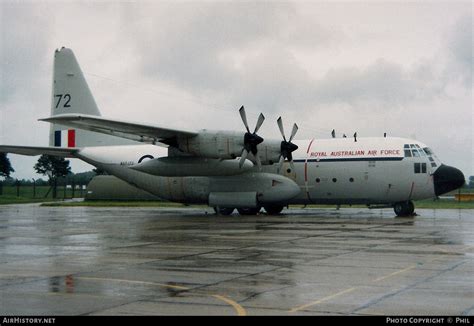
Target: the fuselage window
pixel 351 179
pixel 407 153
pixel 433 164
pixel 318 180
pixel 423 167
pixel 417 167
pixel 420 167
pixel 334 180
pixel 415 153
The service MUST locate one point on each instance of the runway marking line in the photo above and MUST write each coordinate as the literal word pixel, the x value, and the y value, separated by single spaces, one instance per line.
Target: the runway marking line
pixel 395 273
pixel 461 250
pixel 238 308
pixel 332 296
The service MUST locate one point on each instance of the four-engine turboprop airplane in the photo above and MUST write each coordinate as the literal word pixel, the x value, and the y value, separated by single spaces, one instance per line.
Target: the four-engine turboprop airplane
pixel 229 170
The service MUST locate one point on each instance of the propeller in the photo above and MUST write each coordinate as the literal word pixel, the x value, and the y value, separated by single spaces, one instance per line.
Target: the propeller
pixel 251 140
pixel 287 147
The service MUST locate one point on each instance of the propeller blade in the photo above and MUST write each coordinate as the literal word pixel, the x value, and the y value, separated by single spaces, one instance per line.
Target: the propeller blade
pixel 243 158
pixel 280 125
pixel 259 163
pixel 280 164
pixel 293 132
pixel 260 120
pixel 244 118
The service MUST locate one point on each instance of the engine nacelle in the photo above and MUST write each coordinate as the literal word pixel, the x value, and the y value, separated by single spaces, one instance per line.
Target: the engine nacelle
pixel 217 144
pixel 227 145
pixel 191 166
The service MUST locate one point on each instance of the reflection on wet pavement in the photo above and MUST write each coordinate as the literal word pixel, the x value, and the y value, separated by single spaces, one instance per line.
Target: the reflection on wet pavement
pixel 121 261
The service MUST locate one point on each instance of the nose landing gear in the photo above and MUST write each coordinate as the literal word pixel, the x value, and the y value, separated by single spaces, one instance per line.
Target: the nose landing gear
pixel 404 208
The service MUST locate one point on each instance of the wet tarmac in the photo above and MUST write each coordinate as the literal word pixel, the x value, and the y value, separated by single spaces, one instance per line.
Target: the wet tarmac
pixel 151 261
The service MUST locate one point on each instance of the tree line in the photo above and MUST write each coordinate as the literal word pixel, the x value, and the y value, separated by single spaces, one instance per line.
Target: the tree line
pixel 57 170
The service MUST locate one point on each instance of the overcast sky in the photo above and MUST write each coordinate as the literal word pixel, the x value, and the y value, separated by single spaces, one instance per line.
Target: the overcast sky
pixel 404 67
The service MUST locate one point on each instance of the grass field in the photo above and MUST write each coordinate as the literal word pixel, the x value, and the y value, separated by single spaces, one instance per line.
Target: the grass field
pixel 444 203
pixel 28 195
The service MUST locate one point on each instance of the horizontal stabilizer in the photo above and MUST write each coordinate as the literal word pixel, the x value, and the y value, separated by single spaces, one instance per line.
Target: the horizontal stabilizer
pixel 34 150
pixel 134 131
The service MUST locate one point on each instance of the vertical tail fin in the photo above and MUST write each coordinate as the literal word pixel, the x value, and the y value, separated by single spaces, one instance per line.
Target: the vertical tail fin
pixel 71 94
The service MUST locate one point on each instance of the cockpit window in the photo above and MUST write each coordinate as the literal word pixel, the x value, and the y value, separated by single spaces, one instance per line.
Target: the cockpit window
pixel 430 155
pixel 414 150
pixel 428 151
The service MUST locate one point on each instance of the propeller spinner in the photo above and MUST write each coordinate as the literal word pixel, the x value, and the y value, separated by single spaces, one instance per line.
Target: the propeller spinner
pixel 287 147
pixel 251 140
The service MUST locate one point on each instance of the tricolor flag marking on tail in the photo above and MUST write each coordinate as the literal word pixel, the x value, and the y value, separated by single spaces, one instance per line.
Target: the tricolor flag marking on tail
pixel 65 138
pixel 71 138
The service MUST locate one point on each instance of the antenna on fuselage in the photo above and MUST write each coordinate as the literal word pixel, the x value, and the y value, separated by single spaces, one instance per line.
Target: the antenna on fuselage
pixel 333 133
pixel 384 135
pixel 355 137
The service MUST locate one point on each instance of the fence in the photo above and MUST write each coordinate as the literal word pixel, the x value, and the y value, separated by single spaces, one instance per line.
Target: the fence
pixel 32 190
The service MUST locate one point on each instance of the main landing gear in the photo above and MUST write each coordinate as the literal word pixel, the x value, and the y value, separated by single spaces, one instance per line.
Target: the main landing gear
pixel 404 208
pixel 270 209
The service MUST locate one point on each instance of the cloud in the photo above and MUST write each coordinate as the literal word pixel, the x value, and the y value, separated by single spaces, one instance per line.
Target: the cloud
pixel 382 84
pixel 247 52
pixel 183 43
pixel 25 86
pixel 460 65
pixel 209 46
pixel 23 50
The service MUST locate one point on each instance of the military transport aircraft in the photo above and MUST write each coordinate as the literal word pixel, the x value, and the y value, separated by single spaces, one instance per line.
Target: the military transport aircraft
pixel 238 170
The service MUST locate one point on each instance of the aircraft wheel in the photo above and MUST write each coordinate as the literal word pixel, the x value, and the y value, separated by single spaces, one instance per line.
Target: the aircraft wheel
pixel 249 210
pixel 411 207
pixel 405 208
pixel 224 210
pixel 273 209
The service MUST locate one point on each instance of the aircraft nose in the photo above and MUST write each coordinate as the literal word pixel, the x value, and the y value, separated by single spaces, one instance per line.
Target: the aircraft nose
pixel 447 178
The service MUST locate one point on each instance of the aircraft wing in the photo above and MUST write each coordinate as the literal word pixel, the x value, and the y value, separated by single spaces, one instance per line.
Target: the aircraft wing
pixel 35 150
pixel 134 131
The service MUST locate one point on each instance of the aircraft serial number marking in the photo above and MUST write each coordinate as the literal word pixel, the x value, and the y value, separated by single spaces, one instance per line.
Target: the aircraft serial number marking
pixel 127 163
